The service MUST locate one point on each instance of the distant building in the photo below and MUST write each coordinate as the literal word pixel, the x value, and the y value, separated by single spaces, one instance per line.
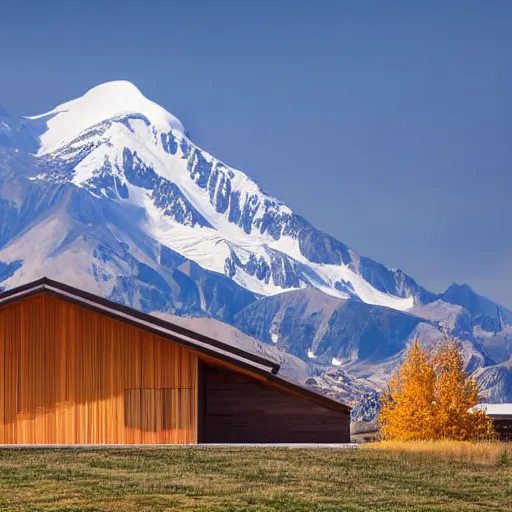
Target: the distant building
pixel 501 415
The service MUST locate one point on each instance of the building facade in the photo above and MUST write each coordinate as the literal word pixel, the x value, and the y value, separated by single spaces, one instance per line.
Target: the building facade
pixel 501 415
pixel 78 369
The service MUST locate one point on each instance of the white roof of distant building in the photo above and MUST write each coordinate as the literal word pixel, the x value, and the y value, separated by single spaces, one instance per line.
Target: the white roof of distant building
pixel 494 410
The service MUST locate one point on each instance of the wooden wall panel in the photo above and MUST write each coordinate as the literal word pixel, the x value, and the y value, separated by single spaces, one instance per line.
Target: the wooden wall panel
pixel 239 409
pixel 65 372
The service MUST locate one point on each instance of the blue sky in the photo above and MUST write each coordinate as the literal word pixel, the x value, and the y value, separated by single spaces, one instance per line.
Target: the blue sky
pixel 387 124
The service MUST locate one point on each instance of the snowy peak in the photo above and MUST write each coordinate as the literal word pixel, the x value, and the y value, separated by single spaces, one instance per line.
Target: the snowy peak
pixel 121 147
pixel 107 101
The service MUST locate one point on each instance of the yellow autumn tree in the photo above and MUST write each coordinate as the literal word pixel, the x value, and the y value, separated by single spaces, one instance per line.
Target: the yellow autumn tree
pixel 429 397
pixel 407 410
pixel 456 393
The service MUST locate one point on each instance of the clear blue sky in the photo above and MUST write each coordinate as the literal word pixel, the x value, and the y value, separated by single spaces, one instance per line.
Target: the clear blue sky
pixel 387 124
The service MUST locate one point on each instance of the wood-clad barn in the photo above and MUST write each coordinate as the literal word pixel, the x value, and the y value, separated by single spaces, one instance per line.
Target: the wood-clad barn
pixel 78 369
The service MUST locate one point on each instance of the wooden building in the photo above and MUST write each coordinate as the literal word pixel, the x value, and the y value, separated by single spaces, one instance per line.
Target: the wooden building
pixel 78 369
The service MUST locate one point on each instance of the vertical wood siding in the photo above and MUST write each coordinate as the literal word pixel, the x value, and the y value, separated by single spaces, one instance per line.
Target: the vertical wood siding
pixel 69 375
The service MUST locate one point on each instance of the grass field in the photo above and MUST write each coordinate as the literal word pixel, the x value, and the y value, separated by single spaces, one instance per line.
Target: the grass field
pixel 254 479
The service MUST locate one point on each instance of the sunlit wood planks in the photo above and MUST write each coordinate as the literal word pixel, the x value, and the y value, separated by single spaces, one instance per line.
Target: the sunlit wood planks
pixel 66 371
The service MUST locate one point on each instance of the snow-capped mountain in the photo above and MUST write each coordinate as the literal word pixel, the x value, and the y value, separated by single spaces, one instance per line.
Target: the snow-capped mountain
pixel 109 193
pixel 119 145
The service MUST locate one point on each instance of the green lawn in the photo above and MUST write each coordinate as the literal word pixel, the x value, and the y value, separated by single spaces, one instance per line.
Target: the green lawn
pixel 247 479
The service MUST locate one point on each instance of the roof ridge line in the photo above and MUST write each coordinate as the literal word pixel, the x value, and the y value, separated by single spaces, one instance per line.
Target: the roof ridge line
pixel 137 316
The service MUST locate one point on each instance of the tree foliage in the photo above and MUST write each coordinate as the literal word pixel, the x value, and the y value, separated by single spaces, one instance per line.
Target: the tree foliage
pixel 429 396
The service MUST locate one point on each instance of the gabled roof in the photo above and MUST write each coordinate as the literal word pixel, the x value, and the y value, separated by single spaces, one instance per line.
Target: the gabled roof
pixel 186 337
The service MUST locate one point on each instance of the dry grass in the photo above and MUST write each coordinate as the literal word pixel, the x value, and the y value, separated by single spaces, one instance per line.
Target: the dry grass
pixel 490 452
pixel 248 480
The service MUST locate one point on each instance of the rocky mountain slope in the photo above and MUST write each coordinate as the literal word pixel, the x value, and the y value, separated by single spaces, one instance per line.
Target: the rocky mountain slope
pixel 108 192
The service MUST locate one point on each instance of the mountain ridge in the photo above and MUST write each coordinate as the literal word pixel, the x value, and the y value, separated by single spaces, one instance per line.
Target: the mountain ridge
pixel 118 200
